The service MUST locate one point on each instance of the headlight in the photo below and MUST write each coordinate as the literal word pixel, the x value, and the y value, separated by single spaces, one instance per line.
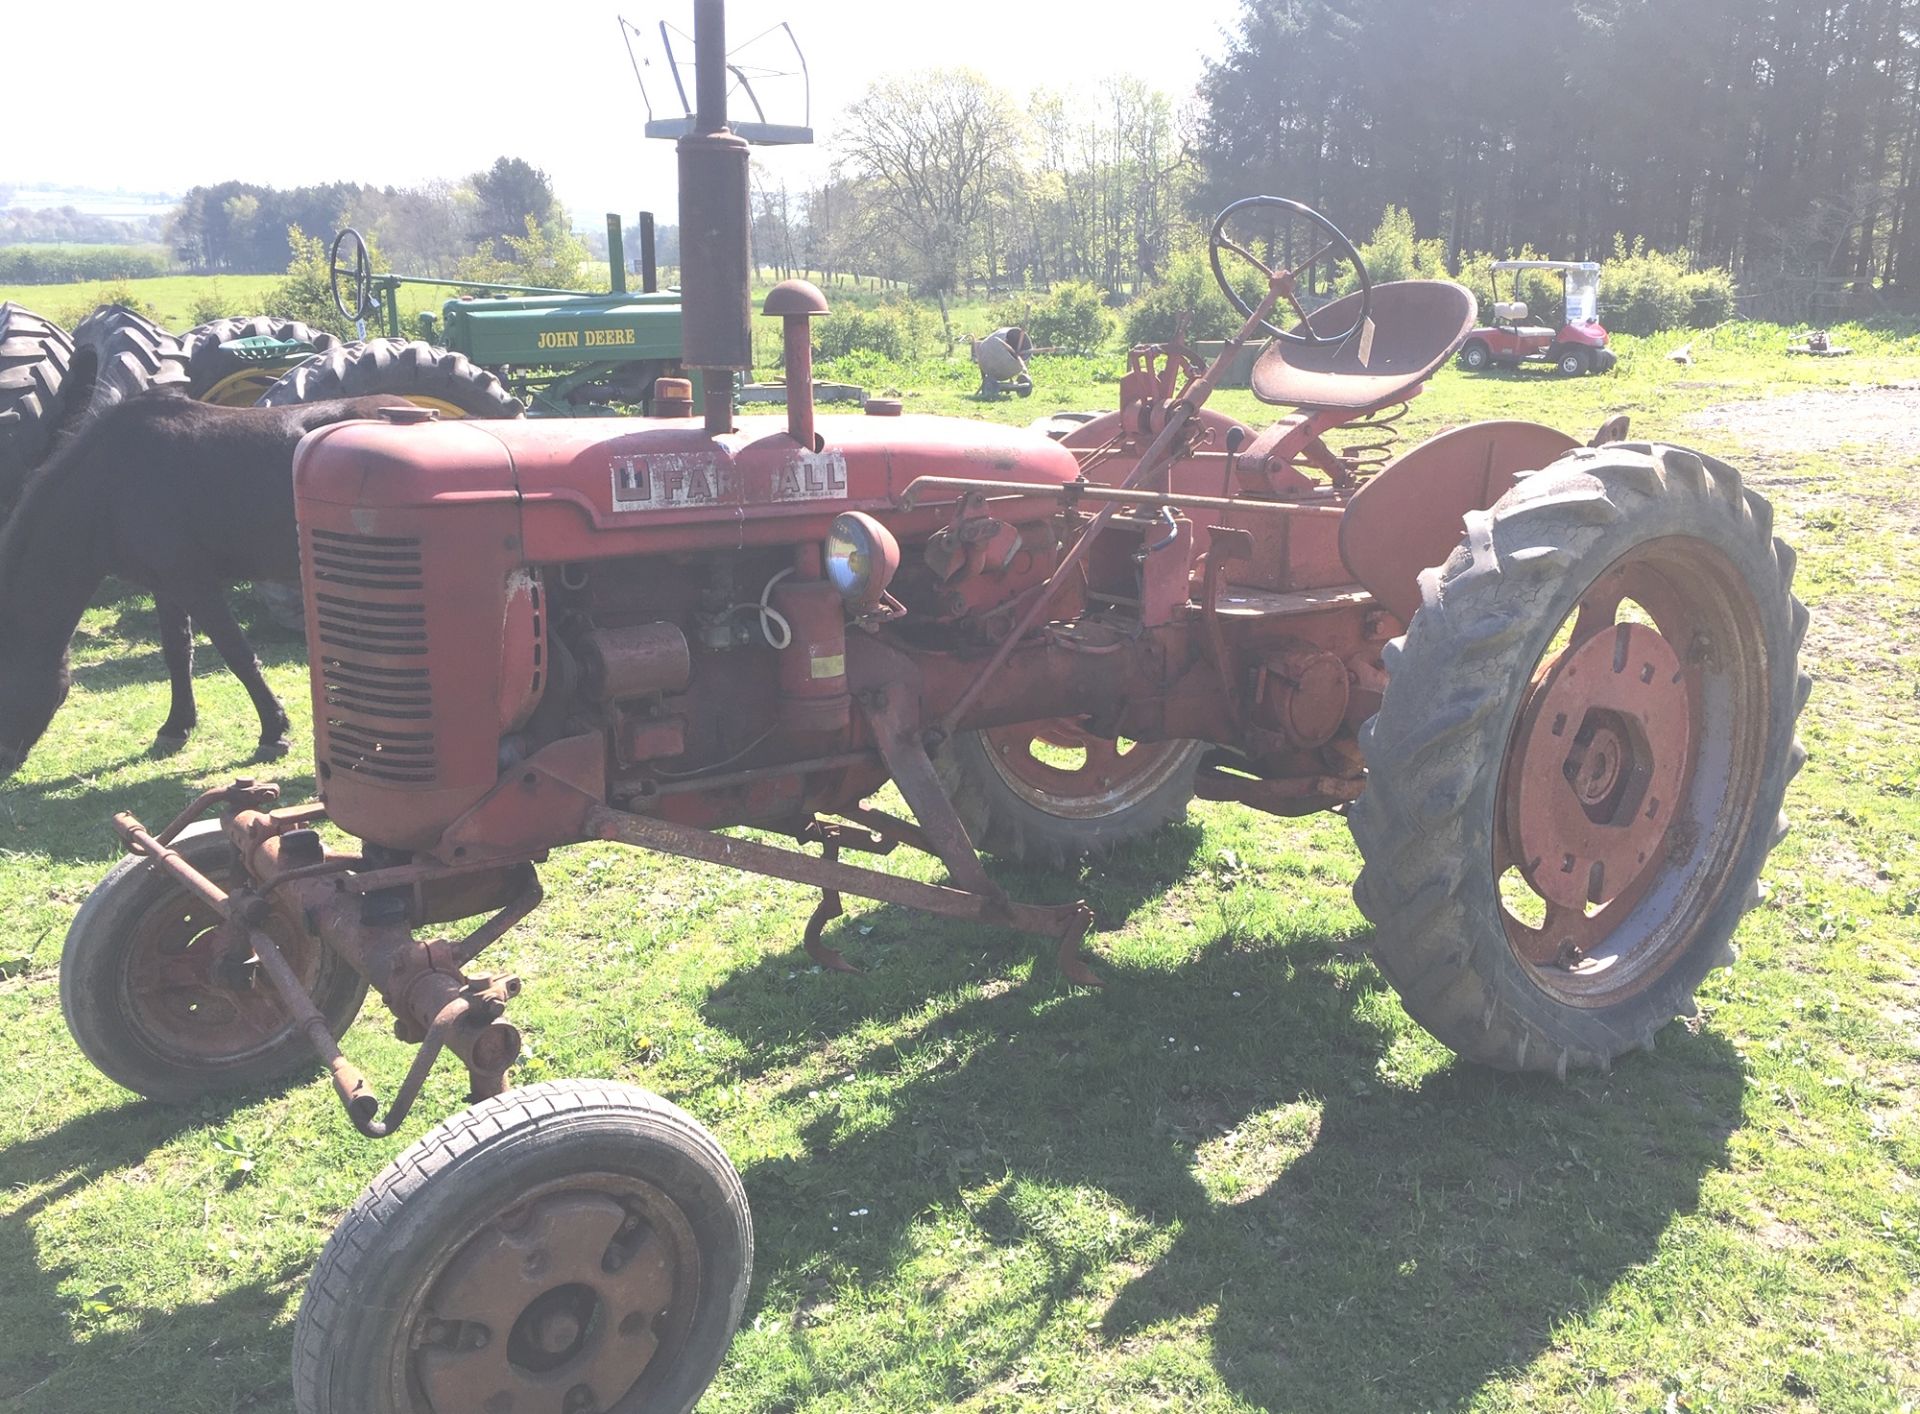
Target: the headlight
pixel 862 556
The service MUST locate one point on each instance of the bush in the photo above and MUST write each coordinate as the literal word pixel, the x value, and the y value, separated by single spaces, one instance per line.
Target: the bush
pixel 1071 316
pixel 895 332
pixel 212 303
pixel 553 259
pixel 1188 289
pixel 117 293
pixel 1644 291
pixel 1395 252
pixel 1712 294
pixel 306 293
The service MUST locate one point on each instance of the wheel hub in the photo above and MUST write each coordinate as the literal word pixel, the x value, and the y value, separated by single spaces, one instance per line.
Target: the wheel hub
pixel 554 1308
pixel 1599 759
pixel 190 982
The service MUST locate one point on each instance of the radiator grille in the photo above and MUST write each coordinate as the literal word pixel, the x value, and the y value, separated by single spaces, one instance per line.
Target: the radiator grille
pixel 369 619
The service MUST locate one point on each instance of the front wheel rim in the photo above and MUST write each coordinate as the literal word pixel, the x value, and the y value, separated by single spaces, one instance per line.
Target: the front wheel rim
pixel 1623 802
pixel 578 1295
pixel 191 993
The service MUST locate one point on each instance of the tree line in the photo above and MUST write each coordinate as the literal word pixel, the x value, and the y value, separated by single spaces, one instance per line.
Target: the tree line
pixel 944 182
pixel 243 227
pixel 1777 139
pixel 1774 137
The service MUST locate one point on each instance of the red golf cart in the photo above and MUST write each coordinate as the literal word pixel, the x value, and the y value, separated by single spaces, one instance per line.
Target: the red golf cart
pixel 1578 346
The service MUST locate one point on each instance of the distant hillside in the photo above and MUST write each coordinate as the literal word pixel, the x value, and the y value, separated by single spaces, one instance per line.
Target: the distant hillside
pixel 49 215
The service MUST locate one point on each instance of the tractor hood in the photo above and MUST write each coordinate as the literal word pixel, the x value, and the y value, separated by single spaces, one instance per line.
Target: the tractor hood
pixel 598 488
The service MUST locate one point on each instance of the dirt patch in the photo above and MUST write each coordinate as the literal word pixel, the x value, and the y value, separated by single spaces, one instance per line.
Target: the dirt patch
pixel 1836 462
pixel 1826 422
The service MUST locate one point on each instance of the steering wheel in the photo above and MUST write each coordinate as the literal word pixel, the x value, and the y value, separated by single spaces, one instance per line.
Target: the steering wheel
pixel 1336 243
pixel 358 274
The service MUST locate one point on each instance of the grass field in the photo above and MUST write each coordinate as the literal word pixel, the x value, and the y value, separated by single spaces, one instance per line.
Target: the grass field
pixel 1238 1178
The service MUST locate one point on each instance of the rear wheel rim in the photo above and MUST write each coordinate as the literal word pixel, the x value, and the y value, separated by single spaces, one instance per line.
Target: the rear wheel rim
pixel 578 1295
pixel 1064 770
pixel 1631 773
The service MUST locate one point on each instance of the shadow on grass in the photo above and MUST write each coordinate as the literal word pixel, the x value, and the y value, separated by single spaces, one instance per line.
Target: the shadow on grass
pixel 1351 1241
pixel 48 1331
pixel 71 823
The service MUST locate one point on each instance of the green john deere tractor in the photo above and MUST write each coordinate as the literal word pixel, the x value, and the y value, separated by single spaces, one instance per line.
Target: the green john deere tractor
pixel 562 353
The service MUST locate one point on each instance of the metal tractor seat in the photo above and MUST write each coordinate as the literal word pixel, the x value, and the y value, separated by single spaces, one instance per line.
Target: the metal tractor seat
pixel 1416 325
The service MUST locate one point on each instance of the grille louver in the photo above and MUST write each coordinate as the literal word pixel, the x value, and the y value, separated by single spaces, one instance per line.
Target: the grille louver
pixel 370 619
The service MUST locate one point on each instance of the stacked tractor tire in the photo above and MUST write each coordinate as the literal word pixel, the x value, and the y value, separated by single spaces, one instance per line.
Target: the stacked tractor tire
pixel 53 382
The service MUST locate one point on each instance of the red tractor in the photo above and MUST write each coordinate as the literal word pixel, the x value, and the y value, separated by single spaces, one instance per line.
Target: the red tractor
pixel 1578 346
pixel 1553 689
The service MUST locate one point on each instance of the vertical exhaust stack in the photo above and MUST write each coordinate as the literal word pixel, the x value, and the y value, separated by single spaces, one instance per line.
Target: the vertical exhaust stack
pixel 716 336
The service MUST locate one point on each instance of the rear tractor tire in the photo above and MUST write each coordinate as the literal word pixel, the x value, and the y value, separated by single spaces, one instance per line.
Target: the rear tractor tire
pixel 218 375
pixel 121 354
pixel 159 1005
pixel 1476 357
pixel 1050 792
pixel 574 1245
pixel 35 354
pixel 1577 769
pixel 416 372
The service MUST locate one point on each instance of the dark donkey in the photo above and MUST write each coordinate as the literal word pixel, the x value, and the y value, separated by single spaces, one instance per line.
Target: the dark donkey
pixel 179 497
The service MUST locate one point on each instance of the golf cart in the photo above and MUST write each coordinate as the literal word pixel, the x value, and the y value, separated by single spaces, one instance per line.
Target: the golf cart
pixel 1579 346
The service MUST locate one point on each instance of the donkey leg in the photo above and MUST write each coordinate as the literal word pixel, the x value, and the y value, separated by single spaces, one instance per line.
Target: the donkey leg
pixel 176 647
pixel 216 619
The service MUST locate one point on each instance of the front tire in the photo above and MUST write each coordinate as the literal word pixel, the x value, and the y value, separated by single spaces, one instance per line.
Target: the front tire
pixel 416 372
pixel 152 1002
pixel 571 1245
pixel 1476 357
pixel 1577 769
pixel 1572 362
pixel 218 375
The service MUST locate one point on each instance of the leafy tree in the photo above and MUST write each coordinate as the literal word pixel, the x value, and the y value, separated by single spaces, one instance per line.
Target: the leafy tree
pixel 930 149
pixel 550 258
pixel 509 194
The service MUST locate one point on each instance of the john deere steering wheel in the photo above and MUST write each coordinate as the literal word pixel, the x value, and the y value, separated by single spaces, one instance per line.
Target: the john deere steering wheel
pixel 358 275
pixel 1334 243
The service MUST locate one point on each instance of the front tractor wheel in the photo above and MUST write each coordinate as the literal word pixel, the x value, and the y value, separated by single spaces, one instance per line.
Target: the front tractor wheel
pixel 414 372
pixel 162 1001
pixel 1577 770
pixel 1050 792
pixel 576 1245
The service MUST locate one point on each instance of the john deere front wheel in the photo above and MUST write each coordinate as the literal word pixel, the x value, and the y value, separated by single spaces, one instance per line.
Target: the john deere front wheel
pixel 1577 770
pixel 414 372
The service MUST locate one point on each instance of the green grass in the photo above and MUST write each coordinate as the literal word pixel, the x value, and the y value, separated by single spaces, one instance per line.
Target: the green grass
pixel 1238 1178
pixel 174 296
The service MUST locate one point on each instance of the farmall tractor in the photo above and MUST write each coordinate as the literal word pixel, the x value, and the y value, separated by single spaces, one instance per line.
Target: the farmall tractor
pixel 1553 689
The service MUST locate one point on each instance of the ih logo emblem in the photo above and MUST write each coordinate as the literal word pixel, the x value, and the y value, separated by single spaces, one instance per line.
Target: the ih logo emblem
pixel 666 481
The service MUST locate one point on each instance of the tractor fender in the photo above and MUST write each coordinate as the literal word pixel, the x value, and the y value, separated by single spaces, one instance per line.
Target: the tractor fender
pixel 1411 516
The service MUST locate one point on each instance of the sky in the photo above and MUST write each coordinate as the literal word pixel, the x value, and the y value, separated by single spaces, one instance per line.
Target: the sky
pixel 417 89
